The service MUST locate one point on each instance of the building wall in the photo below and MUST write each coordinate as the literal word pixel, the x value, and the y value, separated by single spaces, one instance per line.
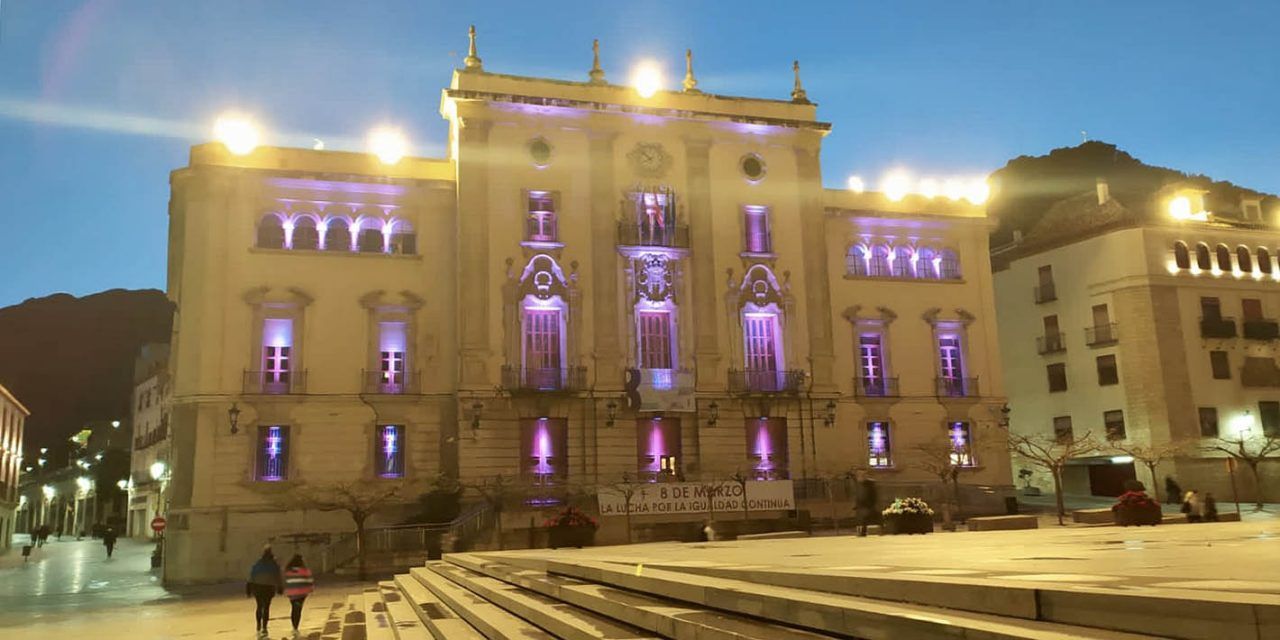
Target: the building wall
pixel 13 418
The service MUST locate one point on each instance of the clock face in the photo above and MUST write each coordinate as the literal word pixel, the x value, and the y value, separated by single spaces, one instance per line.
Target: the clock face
pixel 649 159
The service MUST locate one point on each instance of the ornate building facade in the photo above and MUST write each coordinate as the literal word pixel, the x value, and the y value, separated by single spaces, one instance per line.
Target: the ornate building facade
pixel 13 417
pixel 593 283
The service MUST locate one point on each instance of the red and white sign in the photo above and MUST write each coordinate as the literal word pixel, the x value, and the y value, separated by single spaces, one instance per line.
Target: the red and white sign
pixel 158 524
pixel 662 498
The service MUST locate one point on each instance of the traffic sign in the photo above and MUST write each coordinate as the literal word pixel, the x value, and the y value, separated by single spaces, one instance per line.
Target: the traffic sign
pixel 158 524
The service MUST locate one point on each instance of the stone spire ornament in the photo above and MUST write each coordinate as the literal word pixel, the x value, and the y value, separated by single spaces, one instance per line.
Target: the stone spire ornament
pixel 472 61
pixel 596 74
pixel 690 82
pixel 798 94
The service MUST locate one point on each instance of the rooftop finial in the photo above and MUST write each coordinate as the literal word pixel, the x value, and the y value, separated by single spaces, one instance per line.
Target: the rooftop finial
pixel 596 74
pixel 690 83
pixel 797 93
pixel 472 61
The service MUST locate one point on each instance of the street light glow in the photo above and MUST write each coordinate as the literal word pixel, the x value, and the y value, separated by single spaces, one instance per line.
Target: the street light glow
pixel 84 483
pixel 236 132
pixel 389 144
pixel 896 184
pixel 48 492
pixel 647 78
pixel 157 470
pixel 856 184
pixel 978 191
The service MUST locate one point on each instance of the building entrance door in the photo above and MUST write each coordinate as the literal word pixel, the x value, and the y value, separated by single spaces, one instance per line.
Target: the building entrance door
pixel 1109 479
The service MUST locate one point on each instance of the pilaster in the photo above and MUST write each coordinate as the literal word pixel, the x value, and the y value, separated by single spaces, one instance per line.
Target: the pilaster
pixel 706 346
pixel 473 251
pixel 817 286
pixel 607 350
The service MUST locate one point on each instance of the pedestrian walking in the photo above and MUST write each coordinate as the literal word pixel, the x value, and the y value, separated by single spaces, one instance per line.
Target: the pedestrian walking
pixel 1193 506
pixel 1172 491
pixel 864 502
pixel 264 584
pixel 1210 508
pixel 109 540
pixel 298 584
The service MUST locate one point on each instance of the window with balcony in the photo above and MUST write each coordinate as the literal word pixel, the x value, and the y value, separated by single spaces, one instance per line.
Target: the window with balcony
pixel 757 234
pixel 879 449
pixel 1057 377
pixel 961 441
pixel 543 346
pixel 654 329
pixel 1208 422
pixel 1181 255
pixel 1113 424
pixel 392 357
pixel 872 375
pixel 277 353
pixel 1063 431
pixel 1212 324
pixel 762 349
pixel 540 217
pixel 658 441
pixel 767 448
pixel 951 379
pixel 1220 364
pixel 1108 374
pixel 389 445
pixel 1051 341
pixel 544 450
pixel 272 453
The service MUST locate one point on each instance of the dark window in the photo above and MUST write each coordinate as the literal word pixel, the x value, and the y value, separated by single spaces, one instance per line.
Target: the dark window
pixel 1181 256
pixel 404 243
pixel 1062 432
pixel 270 232
pixel 1224 257
pixel 1057 377
pixel 390 451
pixel 1252 308
pixel 1101 315
pixel 1244 259
pixel 1209 422
pixel 1046 275
pixel 1107 373
pixel 369 241
pixel 1113 422
pixel 305 235
pixel 1264 260
pixel 337 235
pixel 1221 365
pixel 1202 257
pixel 949 265
pixel 1269 412
pixel 1211 308
pixel 273 453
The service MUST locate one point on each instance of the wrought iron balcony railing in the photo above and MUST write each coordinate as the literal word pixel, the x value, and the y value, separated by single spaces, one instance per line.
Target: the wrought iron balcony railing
pixel 1102 334
pixel 647 235
pixel 875 387
pixel 1051 343
pixel 543 380
pixel 1046 293
pixel 275 382
pixel 753 381
pixel 1260 329
pixel 1219 327
pixel 957 387
pixel 392 382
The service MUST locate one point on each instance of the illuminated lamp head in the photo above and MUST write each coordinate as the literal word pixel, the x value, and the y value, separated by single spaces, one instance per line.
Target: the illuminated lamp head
pixel 237 133
pixel 896 185
pixel 856 184
pixel 389 144
pixel 647 79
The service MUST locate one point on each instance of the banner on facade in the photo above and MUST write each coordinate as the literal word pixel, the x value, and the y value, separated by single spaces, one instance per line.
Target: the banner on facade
pixel 661 498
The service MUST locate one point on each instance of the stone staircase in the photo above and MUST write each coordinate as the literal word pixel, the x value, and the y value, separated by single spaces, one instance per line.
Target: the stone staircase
pixel 562 595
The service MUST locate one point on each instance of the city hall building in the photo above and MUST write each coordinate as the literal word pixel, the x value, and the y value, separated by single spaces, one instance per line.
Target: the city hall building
pixel 592 283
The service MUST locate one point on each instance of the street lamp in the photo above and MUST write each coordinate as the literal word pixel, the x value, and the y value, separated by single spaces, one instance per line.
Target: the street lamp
pixel 611 413
pixel 830 419
pixel 713 410
pixel 233 417
pixel 157 470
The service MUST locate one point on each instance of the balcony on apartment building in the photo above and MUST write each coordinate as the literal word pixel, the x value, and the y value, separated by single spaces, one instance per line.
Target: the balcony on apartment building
pixel 533 380
pixel 151 437
pixel 1101 335
pixel 765 381
pixel 391 382
pixel 275 382
pixel 1261 329
pixel 1217 327
pixel 875 387
pixel 1047 292
pixel 956 387
pixel 1051 343
pixel 675 236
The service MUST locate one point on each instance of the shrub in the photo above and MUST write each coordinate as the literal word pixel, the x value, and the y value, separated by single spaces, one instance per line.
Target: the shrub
pixel 904 506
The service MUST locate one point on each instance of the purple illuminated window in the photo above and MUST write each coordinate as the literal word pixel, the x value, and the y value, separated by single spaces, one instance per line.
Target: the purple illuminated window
pixel 335 235
pixel 871 364
pixel 273 453
pixel 305 235
pixel 767 448
pixel 277 351
pixel 540 222
pixel 901 262
pixel 390 451
pixel 856 261
pixel 655 216
pixel 658 440
pixel 655 339
pixel 544 450
pixel 878 445
pixel 948 265
pixel 879 265
pixel 542 348
pixel 926 263
pixel 961 444
pixel 391 356
pixel 755 225
pixel 951 365
pixel 760 334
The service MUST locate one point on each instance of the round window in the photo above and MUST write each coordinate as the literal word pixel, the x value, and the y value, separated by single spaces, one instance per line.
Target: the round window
pixel 540 151
pixel 752 167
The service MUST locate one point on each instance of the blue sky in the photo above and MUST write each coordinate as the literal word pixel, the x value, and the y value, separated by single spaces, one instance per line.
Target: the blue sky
pixel 100 99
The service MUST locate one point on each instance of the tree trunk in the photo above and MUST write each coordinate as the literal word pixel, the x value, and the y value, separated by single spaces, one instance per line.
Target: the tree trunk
pixel 497 524
pixel 831 502
pixel 1155 487
pixel 946 507
pixel 360 548
pixel 1057 494
pixel 628 498
pixel 1257 484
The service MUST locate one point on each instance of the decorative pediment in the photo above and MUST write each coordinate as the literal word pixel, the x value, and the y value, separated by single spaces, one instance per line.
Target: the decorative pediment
pixel 265 296
pixel 760 287
pixel 543 278
pixel 655 278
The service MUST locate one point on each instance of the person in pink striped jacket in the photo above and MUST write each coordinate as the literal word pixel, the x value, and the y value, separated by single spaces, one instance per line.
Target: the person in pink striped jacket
pixel 298 584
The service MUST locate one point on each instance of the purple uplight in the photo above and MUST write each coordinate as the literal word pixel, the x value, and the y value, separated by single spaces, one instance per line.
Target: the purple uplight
pixel 542 451
pixel 277 332
pixel 763 447
pixel 657 447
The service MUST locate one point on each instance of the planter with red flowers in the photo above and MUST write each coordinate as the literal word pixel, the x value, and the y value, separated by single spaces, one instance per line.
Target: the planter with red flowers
pixel 1134 508
pixel 571 528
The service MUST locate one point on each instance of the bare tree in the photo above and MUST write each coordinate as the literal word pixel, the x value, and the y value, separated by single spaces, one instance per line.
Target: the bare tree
pixel 359 498
pixel 741 479
pixel 1051 453
pixel 709 485
pixel 1252 452
pixel 942 459
pixel 829 481
pixel 496 491
pixel 628 488
pixel 1152 455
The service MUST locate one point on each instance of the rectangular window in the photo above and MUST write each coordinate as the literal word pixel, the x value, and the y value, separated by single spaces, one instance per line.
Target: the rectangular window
pixel 1252 308
pixel 1211 308
pixel 656 216
pixel 961 444
pixel 767 448
pixel 1057 377
pixel 655 339
pixel 542 341
pixel 389 446
pixel 658 441
pixel 1209 422
pixel 277 347
pixel 1220 363
pixel 273 453
pixel 950 366
pixel 871 360
pixel 1269 414
pixel 1045 275
pixel 540 221
pixel 1107 372
pixel 760 330
pixel 1063 432
pixel 544 450
pixel 1113 423
pixel 391 357
pixel 755 226
pixel 878 448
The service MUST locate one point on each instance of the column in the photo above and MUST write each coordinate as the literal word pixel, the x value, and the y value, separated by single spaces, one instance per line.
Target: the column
pixel 604 264
pixel 706 344
pixel 473 251
pixel 817 286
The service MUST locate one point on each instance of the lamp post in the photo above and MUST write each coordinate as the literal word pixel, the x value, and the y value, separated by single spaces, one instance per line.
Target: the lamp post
pixel 233 418
pixel 713 413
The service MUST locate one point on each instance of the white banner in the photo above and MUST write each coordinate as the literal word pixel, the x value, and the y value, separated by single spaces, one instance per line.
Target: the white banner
pixel 688 497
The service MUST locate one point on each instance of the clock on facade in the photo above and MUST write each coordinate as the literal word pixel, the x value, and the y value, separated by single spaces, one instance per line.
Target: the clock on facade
pixel 649 159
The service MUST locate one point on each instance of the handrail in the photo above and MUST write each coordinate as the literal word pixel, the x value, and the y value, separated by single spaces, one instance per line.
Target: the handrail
pixel 403 537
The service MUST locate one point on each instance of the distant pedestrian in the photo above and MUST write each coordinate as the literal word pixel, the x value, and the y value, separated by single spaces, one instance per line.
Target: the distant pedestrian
pixel 709 532
pixel 298 584
pixel 1210 508
pixel 864 502
pixel 109 540
pixel 1193 506
pixel 1172 492
pixel 264 584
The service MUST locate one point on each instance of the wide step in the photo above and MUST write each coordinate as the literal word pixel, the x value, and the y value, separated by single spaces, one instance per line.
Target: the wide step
pixel 437 617
pixel 488 618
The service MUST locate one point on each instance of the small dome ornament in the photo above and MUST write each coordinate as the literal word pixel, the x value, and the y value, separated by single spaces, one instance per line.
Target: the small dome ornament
pixel 596 74
pixel 798 94
pixel 690 82
pixel 472 62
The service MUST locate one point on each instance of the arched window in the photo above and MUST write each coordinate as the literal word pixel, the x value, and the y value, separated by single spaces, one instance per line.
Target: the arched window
pixel 403 240
pixel 926 266
pixel 305 235
pixel 856 260
pixel 1202 257
pixel 902 262
pixel 270 232
pixel 1181 256
pixel 1224 257
pixel 879 266
pixel 1264 260
pixel 337 235
pixel 1244 259
pixel 949 265
pixel 369 241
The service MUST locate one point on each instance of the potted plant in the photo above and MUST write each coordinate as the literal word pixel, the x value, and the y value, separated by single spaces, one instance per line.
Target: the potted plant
pixel 908 515
pixel 571 528
pixel 1134 507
